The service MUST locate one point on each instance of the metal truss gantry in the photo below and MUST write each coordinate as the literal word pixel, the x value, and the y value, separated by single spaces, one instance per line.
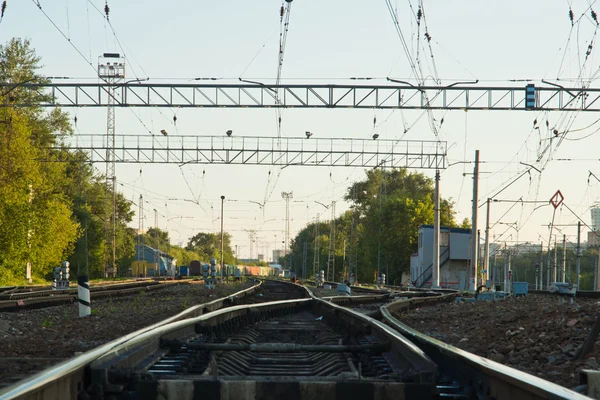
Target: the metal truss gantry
pixel 454 97
pixel 263 151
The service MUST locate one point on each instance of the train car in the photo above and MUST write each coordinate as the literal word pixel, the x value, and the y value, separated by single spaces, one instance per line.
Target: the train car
pixel 195 268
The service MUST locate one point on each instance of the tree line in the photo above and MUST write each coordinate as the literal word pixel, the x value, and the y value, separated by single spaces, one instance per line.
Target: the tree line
pixel 52 201
pixel 378 232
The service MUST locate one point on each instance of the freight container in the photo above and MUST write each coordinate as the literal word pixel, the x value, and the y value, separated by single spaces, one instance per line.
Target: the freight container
pixel 195 268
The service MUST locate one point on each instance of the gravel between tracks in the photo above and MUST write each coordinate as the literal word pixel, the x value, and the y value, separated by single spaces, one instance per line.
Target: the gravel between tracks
pixel 535 334
pixel 34 339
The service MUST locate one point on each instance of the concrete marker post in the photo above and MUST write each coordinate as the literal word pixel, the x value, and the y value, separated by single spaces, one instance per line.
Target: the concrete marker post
pixel 83 296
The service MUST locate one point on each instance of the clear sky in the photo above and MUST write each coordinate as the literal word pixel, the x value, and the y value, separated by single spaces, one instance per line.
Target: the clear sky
pixel 329 42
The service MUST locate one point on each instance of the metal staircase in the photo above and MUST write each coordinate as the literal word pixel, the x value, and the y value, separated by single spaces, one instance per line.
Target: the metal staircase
pixel 428 273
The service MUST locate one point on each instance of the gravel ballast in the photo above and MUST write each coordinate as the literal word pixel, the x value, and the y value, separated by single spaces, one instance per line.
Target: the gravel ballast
pixel 537 334
pixel 34 339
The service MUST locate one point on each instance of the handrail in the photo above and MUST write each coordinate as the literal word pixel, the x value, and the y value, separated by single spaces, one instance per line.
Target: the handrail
pixel 428 269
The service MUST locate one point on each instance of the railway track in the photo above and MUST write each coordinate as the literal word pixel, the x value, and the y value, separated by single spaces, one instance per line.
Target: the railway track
pixel 47 298
pixel 299 348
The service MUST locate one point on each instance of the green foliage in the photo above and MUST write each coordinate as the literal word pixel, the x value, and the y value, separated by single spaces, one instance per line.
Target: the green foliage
pixel 48 323
pixel 208 245
pixel 47 204
pixel 387 209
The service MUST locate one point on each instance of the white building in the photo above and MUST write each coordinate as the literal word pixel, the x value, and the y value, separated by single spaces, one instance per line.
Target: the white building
pixel 595 211
pixel 454 258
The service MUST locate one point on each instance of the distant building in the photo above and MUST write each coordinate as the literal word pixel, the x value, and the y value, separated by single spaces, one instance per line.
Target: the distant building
pixel 454 258
pixel 595 211
pixel 593 239
pixel 277 254
pixel 261 257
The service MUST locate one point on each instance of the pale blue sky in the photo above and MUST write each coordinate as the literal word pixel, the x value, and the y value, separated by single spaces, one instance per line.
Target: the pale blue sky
pixel 489 41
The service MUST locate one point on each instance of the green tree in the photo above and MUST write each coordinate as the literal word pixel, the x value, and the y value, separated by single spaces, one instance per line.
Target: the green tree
pixel 35 218
pixel 49 198
pixel 381 226
pixel 208 245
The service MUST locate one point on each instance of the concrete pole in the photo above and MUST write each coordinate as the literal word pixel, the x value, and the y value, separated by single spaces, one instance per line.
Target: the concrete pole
pixel 564 263
pixel 486 249
pixel 555 261
pixel 578 254
pixel 541 280
pixel 511 277
pixel 597 281
pixel 505 288
pixel 222 236
pixel 596 274
pixel 474 249
pixel 435 273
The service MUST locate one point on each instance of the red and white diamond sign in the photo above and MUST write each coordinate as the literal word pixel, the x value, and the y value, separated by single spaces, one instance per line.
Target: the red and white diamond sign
pixel 557 199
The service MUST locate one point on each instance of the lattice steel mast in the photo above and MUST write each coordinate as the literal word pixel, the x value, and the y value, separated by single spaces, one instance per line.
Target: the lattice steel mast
pixel 316 247
pixel 111 69
pixel 287 196
pixel 331 259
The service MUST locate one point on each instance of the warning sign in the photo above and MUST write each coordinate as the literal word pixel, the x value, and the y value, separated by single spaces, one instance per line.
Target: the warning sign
pixel 557 199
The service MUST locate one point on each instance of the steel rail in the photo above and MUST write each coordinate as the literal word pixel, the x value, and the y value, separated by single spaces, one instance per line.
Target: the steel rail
pixel 590 294
pixel 492 379
pixel 61 381
pixel 76 365
pixel 53 298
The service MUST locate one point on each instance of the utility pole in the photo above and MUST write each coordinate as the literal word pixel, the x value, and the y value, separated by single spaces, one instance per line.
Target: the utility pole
pixel 486 248
pixel 252 237
pixel 156 252
pixel 596 273
pixel 344 261
pixel 379 234
pixel 564 263
pixel 474 244
pixel 541 280
pixel 140 253
pixel 287 196
pixel 510 277
pixel 222 238
pixel 435 275
pixel 506 253
pixel 331 259
pixel 554 276
pixel 112 74
pixel 304 259
pixel 316 247
pixel 578 254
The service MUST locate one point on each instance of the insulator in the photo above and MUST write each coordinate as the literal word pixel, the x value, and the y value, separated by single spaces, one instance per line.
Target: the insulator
pixel 571 16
